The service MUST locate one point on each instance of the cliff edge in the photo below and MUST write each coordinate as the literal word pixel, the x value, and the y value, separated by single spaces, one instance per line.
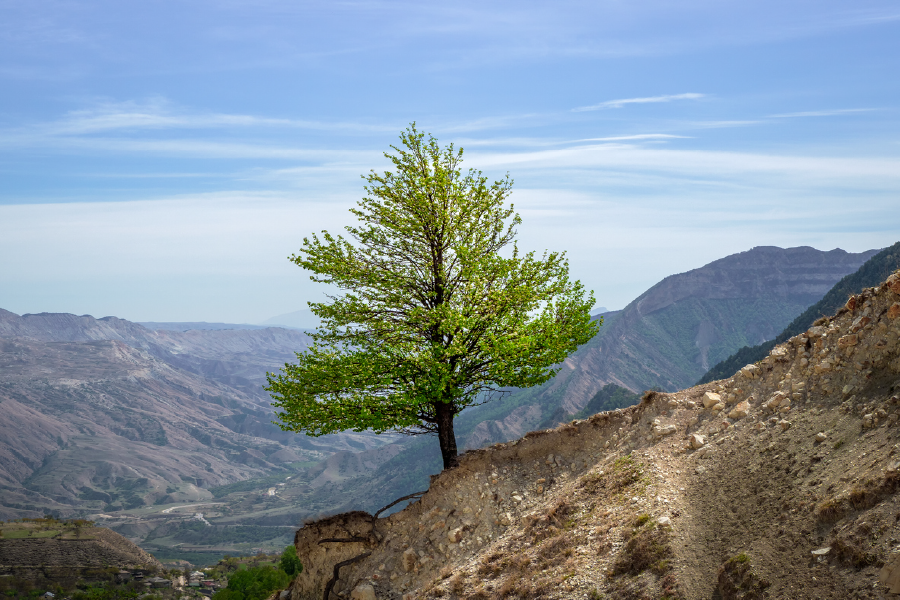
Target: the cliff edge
pixel 778 482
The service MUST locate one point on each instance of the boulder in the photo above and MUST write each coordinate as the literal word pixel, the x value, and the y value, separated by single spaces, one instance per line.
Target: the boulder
pixel 740 411
pixel 815 332
pixel 408 560
pixel 750 371
pixel 710 399
pixel 363 591
pixel 889 576
pixel 663 430
pixel 697 440
pixel 454 535
pixel 894 311
pixel 846 341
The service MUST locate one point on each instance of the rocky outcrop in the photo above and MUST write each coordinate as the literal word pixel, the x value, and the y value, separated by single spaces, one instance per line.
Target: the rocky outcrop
pixel 779 481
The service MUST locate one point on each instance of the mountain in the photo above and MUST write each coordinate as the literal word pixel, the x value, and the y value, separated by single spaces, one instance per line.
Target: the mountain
pixel 661 336
pixel 780 482
pixel 300 319
pixel 188 325
pixel 105 415
pixel 668 337
pixel 871 273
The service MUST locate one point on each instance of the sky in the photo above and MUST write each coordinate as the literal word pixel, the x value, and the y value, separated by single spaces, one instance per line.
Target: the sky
pixel 159 161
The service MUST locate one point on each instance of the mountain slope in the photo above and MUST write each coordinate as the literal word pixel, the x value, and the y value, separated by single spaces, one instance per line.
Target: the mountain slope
pixel 871 273
pixel 668 336
pixel 780 482
pixel 105 415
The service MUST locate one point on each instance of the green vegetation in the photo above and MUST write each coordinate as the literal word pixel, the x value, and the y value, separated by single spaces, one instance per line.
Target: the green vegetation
pixel 45 527
pixel 439 308
pixel 255 583
pixel 198 533
pixel 290 562
pixel 872 273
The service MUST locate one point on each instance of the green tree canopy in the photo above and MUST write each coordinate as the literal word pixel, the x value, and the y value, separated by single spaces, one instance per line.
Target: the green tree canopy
pixel 439 309
pixel 255 583
pixel 290 562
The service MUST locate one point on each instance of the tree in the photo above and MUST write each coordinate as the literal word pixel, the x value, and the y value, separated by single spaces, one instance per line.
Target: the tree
pixel 439 309
pixel 290 562
pixel 255 583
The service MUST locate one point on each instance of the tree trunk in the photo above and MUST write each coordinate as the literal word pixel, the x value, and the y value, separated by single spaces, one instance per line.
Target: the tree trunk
pixel 446 437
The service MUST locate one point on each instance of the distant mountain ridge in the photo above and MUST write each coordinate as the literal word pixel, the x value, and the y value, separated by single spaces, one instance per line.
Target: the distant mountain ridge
pixel 659 339
pixel 870 274
pixel 103 414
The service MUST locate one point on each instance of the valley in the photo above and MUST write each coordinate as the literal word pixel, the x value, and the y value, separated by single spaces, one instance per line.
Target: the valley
pixel 143 429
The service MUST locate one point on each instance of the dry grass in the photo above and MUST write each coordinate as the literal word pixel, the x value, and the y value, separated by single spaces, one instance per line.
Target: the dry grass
pixel 646 549
pixel 738 581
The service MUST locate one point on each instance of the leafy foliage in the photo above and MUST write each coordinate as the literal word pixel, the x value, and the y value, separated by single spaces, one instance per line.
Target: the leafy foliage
pixel 255 583
pixel 290 562
pixel 439 308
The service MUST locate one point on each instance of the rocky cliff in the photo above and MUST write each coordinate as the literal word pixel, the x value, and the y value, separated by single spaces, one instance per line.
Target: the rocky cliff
pixel 780 482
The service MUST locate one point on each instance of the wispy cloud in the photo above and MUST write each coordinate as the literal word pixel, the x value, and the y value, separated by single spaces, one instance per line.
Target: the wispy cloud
pixel 647 100
pixel 159 113
pixel 637 137
pixel 821 113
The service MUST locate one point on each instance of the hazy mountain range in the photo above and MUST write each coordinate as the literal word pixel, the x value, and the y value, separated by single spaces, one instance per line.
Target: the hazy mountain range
pixel 105 415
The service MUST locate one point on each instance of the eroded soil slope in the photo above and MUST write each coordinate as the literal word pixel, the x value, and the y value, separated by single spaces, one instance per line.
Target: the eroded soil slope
pixel 779 482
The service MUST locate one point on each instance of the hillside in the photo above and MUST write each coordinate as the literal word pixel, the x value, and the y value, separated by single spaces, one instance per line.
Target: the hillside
pixel 105 417
pixel 723 299
pixel 48 552
pixel 779 482
pixel 871 273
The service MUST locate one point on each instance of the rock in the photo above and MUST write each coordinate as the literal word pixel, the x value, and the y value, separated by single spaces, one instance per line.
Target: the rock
pixel 454 535
pixel 750 371
pixel 718 406
pixel 815 332
pixel 859 323
pixel 889 576
pixel 775 401
pixel 740 411
pixel 785 425
pixel 868 420
pixel 710 399
pixel 821 551
pixel 894 282
pixel 821 437
pixel 664 430
pixel 779 353
pixel 894 311
pixel 664 521
pixel 697 440
pixel 845 341
pixel 408 560
pixel 363 591
pixel 284 595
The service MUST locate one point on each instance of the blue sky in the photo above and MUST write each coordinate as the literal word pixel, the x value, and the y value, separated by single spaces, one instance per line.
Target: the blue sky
pixel 160 160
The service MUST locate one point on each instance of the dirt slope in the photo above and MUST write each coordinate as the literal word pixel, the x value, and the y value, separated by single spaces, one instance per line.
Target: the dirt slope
pixel 777 483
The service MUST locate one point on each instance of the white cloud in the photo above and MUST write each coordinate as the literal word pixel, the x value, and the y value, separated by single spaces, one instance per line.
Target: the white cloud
pixel 648 100
pixel 821 113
